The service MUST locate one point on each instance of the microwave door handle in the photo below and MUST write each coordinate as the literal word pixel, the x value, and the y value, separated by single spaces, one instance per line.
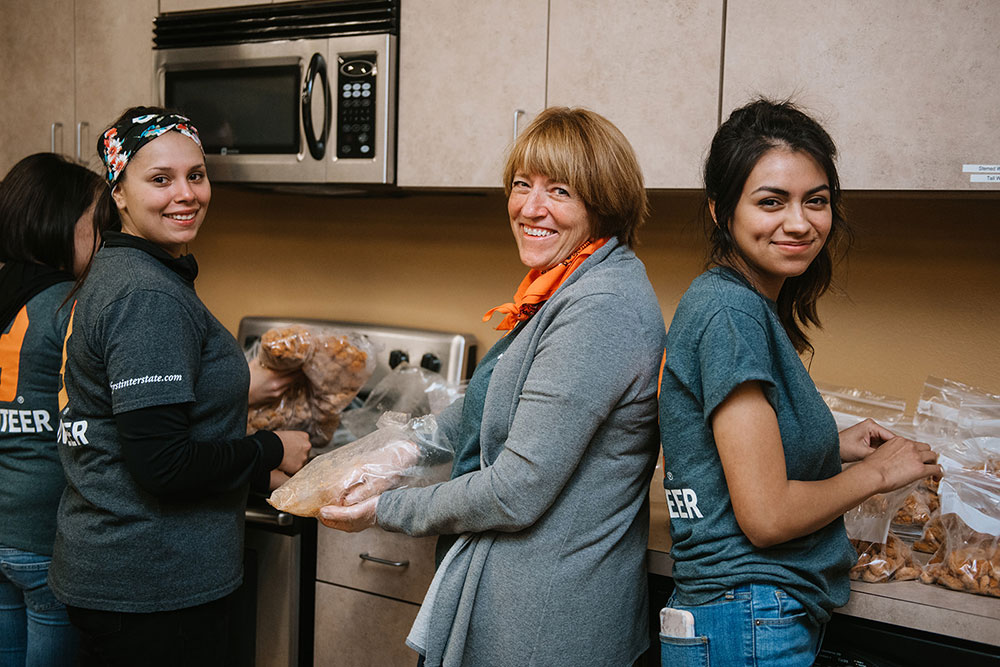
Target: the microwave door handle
pixel 317 145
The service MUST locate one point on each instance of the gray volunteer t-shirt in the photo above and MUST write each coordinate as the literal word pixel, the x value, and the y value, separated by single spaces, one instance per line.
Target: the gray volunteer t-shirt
pixel 140 337
pixel 725 333
pixel 31 477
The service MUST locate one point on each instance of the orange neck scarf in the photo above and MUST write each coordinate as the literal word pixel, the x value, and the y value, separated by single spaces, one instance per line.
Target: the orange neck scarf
pixel 538 286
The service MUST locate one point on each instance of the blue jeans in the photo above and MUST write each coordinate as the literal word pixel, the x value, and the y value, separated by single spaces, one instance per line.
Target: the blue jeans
pixel 750 626
pixel 34 628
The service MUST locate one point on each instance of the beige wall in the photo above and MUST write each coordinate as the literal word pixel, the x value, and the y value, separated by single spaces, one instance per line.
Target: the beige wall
pixel 920 293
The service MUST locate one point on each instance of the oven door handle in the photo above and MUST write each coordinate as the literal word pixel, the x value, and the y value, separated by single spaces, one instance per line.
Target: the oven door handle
pixel 279 519
pixel 317 145
pixel 383 561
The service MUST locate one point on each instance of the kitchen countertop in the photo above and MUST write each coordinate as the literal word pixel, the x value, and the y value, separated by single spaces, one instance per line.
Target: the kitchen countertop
pixel 909 604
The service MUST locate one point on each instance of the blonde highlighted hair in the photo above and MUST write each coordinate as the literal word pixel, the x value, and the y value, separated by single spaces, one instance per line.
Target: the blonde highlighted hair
pixel 587 152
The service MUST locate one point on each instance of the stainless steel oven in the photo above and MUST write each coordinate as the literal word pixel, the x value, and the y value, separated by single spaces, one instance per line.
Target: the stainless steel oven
pixel 362 590
pixel 290 93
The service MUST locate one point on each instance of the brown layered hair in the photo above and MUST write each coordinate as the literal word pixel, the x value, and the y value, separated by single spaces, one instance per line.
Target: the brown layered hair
pixel 592 156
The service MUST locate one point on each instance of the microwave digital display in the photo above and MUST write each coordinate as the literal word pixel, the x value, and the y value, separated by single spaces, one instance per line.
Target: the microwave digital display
pixel 239 110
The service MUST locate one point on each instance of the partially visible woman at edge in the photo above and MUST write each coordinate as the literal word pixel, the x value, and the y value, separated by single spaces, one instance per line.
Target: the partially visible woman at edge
pixel 753 474
pixel 555 440
pixel 47 237
pixel 153 434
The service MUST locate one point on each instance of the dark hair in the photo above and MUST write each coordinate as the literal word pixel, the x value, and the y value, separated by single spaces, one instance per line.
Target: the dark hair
pixel 41 199
pixel 740 142
pixel 106 213
pixel 587 152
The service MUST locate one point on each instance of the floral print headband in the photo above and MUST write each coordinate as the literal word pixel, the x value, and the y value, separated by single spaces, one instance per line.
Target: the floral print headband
pixel 123 140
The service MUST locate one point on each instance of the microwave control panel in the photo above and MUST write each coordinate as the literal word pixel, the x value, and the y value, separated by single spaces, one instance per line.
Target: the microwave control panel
pixel 356 106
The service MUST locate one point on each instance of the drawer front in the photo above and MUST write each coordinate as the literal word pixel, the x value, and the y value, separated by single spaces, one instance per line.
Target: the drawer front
pixel 356 629
pixel 339 561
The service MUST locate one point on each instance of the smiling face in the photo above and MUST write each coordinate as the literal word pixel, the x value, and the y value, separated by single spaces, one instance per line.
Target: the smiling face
pixel 782 219
pixel 548 218
pixel 164 194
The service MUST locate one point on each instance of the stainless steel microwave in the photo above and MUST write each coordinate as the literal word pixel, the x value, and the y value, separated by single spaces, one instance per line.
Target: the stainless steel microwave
pixel 299 93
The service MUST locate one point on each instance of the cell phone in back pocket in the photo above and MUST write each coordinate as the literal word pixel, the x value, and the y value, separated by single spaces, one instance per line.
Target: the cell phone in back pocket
pixel 676 623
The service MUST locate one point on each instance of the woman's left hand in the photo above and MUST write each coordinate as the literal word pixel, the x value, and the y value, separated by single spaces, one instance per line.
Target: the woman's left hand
pixel 351 518
pixel 267 385
pixel 860 440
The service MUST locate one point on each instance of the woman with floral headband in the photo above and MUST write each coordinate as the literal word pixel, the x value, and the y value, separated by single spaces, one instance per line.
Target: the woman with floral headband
pixel 153 431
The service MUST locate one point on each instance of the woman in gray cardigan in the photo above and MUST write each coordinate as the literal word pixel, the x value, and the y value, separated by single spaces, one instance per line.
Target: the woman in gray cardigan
pixel 556 438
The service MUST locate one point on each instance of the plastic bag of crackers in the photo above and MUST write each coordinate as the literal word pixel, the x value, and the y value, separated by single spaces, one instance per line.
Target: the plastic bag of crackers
pixel 968 558
pixel 401 452
pixel 882 556
pixel 335 365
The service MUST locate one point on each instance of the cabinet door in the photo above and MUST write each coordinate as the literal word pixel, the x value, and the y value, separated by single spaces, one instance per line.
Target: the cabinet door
pixel 36 77
pixel 651 67
pixel 464 68
pixel 906 88
pixel 358 629
pixel 114 65
pixel 405 572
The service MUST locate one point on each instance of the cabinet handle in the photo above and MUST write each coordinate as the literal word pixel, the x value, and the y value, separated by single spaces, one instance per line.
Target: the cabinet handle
pixel 79 139
pixel 383 561
pixel 517 114
pixel 52 137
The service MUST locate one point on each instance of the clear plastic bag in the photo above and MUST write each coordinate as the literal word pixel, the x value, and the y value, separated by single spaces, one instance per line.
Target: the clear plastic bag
pixel 409 389
pixel 870 521
pixel 917 509
pixel 851 406
pixel 878 562
pixel 950 411
pixel 401 452
pixel 968 558
pixel 335 366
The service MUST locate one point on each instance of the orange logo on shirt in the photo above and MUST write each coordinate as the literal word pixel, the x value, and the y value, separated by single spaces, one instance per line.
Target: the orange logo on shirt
pixel 63 398
pixel 10 355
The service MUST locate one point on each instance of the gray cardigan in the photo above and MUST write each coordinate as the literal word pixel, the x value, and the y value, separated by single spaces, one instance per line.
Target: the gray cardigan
pixel 551 569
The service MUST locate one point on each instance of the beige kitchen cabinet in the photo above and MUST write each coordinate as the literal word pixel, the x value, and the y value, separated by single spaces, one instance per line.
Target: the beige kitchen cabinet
pixel 369 586
pixel 344 640
pixel 37 79
pixel 114 70
pixel 651 67
pixel 465 68
pixel 906 88
pixel 67 69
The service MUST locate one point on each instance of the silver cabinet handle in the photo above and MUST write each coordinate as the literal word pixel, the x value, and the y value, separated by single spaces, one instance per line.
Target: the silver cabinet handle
pixel 517 114
pixel 383 561
pixel 52 137
pixel 79 139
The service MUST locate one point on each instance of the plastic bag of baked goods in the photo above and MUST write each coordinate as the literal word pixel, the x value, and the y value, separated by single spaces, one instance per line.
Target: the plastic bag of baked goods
pixel 870 520
pixel 882 556
pixel 335 365
pixel 969 557
pixel 400 452
pixel 850 406
pixel 891 560
pixel 410 389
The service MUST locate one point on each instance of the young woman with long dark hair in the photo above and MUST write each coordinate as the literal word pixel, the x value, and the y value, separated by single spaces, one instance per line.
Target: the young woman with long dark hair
pixel 752 456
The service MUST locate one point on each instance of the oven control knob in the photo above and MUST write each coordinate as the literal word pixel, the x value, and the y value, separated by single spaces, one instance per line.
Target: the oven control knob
pixel 396 357
pixel 431 362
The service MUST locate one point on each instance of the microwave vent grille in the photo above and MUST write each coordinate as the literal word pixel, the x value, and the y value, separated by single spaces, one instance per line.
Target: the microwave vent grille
pixel 269 23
